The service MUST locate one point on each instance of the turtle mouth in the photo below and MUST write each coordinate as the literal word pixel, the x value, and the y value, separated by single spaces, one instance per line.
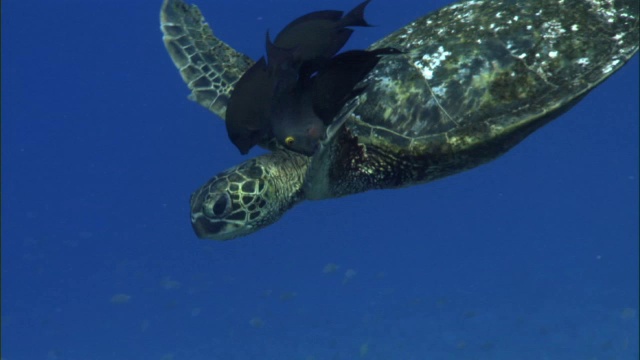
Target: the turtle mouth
pixel 204 228
pixel 213 230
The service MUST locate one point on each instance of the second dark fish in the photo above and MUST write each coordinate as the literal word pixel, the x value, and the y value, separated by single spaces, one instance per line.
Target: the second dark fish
pixel 295 93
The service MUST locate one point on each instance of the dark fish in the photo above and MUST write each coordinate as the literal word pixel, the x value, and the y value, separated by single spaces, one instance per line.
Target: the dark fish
pixel 294 123
pixel 300 117
pixel 247 117
pixel 302 87
pixel 283 67
pixel 316 37
pixel 335 84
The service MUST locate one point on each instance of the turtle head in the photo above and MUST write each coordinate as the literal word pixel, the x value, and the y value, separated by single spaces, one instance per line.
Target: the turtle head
pixel 245 198
pixel 232 204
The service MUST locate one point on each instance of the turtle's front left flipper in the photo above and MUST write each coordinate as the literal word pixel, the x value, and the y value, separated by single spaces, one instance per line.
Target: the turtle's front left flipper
pixel 208 66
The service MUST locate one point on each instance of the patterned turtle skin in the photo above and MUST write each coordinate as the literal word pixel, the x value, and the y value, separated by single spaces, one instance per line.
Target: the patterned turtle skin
pixel 475 78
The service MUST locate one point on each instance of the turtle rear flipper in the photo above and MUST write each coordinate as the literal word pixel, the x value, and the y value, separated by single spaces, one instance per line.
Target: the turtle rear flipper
pixel 208 66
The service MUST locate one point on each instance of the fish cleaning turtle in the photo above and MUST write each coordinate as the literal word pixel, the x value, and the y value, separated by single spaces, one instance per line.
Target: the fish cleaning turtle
pixel 472 80
pixel 297 91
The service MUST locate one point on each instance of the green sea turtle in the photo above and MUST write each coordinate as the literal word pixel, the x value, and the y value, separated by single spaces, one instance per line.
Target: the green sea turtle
pixel 475 78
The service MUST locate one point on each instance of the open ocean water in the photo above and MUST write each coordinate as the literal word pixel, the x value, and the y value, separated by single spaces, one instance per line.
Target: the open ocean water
pixel 532 256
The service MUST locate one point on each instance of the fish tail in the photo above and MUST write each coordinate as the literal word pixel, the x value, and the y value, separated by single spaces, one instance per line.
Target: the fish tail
pixel 355 17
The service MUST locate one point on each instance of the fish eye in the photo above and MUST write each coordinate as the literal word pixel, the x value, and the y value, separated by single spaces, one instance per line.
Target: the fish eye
pixel 289 140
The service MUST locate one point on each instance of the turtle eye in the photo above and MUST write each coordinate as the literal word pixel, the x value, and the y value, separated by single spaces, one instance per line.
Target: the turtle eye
pixel 217 206
pixel 289 140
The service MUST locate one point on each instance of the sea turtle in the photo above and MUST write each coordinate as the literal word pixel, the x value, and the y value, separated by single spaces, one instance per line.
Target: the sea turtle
pixel 474 79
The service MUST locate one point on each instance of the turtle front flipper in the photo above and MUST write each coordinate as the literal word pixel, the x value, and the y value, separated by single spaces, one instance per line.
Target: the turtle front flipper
pixel 208 66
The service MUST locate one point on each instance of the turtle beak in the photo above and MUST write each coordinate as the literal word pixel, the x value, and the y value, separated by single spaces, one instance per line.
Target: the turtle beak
pixel 202 227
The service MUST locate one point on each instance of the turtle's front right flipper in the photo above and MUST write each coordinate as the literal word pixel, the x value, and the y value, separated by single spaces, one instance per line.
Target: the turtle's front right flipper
pixel 208 66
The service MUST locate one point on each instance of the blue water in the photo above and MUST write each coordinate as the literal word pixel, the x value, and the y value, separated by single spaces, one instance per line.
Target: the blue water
pixel 533 256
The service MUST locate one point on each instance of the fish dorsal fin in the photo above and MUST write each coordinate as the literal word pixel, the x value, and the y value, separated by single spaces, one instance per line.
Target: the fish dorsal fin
pixel 278 56
pixel 328 15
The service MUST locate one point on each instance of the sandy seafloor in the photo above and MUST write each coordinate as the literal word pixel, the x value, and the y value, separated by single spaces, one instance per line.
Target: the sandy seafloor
pixel 533 256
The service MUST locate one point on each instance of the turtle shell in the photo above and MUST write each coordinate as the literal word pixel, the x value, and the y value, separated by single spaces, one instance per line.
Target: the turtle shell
pixel 476 70
pixel 475 79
